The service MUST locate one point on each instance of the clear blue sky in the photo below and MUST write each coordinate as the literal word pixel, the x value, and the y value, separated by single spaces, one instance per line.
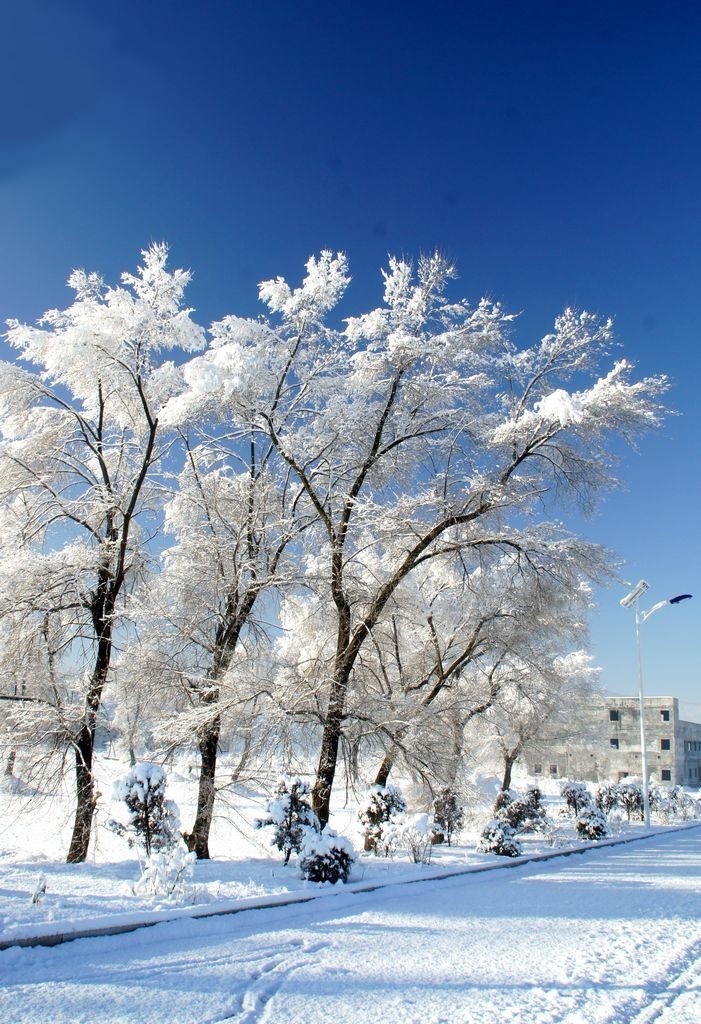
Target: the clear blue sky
pixel 552 149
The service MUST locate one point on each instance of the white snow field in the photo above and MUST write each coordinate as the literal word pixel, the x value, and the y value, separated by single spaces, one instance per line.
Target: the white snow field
pixel 610 935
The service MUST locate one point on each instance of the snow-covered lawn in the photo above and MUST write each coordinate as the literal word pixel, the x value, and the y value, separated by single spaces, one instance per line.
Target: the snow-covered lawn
pixel 34 838
pixel 612 935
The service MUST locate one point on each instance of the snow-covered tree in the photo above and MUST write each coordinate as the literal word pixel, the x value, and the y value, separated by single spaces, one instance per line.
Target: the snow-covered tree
pixel 290 816
pixel 422 426
pixel 576 795
pixel 383 805
pixel 448 815
pixel 152 821
pixel 229 527
pixel 544 697
pixel 486 630
pixel 591 823
pixel 80 444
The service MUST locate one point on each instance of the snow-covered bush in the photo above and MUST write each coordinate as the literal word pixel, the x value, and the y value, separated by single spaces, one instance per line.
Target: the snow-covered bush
pixel 607 797
pixel 448 815
pixel 39 889
pixel 630 798
pixel 325 856
pixel 498 837
pixel 576 796
pixel 166 872
pixel 418 833
pixel 535 818
pixel 290 815
pixel 384 804
pixel 662 803
pixel 153 822
pixel 683 805
pixel 591 823
pixel 522 814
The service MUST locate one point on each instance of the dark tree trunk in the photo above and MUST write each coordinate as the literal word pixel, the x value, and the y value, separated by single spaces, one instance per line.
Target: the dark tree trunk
pixel 198 839
pixel 10 763
pixel 509 762
pixel 386 767
pixel 85 796
pixel 85 741
pixel 330 742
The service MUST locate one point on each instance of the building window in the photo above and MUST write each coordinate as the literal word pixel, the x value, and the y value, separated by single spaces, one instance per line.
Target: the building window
pixel 614 742
pixel 664 715
pixel 614 715
pixel 553 769
pixel 665 745
pixel 666 775
pixel 538 769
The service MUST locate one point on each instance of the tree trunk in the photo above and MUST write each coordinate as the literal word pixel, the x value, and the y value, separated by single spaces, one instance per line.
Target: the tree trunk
pixel 10 763
pixel 85 741
pixel 330 741
pixel 198 839
pixel 386 767
pixel 85 796
pixel 509 761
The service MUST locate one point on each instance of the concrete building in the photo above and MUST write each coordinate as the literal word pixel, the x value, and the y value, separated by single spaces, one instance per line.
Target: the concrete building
pixel 611 749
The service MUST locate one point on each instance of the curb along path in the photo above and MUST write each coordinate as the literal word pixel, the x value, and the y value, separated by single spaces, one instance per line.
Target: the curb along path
pixel 118 924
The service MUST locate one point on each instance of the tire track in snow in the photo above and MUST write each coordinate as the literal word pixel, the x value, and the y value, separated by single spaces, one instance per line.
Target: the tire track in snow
pixel 267 979
pixel 683 971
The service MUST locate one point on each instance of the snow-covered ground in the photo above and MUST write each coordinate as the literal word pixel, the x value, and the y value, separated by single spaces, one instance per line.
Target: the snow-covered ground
pixel 612 935
pixel 34 838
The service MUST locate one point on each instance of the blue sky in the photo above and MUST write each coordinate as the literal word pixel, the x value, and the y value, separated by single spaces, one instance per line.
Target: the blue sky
pixel 552 150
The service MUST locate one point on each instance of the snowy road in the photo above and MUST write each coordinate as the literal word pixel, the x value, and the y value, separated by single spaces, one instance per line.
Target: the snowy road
pixel 609 936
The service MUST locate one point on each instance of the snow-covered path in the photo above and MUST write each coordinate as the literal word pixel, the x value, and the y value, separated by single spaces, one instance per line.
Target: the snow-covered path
pixel 609 936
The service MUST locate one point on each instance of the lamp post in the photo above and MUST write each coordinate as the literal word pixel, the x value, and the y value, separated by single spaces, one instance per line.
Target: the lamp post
pixel 633 598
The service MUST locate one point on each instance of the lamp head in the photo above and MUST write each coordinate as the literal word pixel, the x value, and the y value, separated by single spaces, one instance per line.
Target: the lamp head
pixel 637 592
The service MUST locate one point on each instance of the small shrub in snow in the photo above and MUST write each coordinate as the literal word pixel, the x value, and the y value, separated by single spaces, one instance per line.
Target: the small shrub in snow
pixel 152 821
pixel 384 804
pixel 498 837
pixel 39 889
pixel 591 823
pixel 662 804
pixel 576 796
pixel 536 817
pixel 325 856
pixel 683 805
pixel 290 815
pixel 166 872
pixel 418 833
pixel 448 815
pixel 524 813
pixel 630 798
pixel 607 797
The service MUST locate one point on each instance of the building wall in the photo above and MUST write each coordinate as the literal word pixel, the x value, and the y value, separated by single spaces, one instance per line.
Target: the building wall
pixel 673 745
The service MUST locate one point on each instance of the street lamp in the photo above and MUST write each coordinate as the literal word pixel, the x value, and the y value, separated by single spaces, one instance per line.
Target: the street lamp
pixel 633 598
